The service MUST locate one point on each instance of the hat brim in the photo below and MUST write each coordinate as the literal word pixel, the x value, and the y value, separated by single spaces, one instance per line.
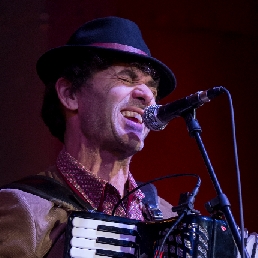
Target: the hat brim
pixel 51 64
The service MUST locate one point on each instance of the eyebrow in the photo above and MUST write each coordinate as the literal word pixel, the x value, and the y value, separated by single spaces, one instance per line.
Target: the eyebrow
pixel 132 74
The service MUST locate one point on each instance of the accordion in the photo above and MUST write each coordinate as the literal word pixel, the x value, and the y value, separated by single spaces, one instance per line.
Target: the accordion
pixel 91 235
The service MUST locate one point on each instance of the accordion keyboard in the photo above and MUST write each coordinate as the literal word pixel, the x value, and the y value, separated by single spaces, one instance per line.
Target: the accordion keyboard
pixel 98 237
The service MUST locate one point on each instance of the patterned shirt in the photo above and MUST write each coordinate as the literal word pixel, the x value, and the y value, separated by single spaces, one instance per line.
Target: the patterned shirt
pixel 101 195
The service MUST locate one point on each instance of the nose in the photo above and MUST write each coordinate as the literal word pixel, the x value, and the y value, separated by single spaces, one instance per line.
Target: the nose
pixel 144 94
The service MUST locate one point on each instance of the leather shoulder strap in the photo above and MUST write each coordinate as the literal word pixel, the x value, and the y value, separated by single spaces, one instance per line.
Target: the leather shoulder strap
pixel 51 190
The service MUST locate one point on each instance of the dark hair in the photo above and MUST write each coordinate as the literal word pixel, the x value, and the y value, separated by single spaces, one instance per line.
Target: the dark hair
pixel 78 73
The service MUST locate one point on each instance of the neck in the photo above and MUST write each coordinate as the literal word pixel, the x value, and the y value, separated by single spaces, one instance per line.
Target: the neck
pixel 104 164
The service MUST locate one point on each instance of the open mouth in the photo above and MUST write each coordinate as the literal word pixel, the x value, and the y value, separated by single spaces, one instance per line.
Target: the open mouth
pixel 133 116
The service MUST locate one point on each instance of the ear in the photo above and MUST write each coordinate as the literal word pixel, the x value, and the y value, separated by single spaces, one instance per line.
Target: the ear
pixel 63 89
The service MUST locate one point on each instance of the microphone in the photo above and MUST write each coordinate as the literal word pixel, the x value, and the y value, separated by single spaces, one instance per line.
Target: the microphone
pixel 156 117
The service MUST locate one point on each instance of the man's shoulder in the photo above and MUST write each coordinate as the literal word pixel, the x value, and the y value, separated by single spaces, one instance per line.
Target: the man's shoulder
pixel 157 206
pixel 25 199
pixel 47 187
pixel 166 208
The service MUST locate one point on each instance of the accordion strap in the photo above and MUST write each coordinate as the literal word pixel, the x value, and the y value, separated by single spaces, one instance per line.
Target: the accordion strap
pixel 49 189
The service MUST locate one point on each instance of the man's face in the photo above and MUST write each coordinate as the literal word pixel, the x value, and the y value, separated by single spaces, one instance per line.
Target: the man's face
pixel 110 108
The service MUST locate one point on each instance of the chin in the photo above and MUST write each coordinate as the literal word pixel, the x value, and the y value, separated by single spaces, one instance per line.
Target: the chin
pixel 129 141
pixel 131 144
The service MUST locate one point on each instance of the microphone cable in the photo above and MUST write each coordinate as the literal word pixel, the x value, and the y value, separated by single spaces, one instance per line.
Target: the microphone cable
pixel 192 195
pixel 240 199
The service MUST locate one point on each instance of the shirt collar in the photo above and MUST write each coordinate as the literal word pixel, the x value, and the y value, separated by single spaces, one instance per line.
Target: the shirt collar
pixel 87 184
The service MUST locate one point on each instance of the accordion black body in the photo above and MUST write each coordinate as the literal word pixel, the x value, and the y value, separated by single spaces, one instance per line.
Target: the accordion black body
pixel 99 235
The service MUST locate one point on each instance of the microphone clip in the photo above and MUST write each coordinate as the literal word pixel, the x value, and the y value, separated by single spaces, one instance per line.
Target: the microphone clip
pixel 185 204
pixel 192 123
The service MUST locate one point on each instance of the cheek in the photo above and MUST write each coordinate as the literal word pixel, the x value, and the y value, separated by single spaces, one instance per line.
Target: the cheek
pixel 116 100
pixel 120 92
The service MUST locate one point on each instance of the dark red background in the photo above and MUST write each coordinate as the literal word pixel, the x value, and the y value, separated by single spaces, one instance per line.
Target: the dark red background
pixel 205 43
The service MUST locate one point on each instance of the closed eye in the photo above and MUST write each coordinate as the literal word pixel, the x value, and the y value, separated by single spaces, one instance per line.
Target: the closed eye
pixel 127 80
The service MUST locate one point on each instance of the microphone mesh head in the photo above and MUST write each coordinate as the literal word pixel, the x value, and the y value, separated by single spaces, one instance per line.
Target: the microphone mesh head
pixel 151 120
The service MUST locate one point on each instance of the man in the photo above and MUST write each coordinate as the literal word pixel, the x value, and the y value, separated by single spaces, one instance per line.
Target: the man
pixel 97 87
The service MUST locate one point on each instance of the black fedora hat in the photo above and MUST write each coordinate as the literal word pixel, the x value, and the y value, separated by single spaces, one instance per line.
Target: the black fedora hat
pixel 111 35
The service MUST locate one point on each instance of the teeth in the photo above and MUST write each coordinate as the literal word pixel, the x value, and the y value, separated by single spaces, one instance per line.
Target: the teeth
pixel 132 114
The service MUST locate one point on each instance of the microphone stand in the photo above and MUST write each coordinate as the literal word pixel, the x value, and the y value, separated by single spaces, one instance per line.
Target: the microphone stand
pixel 221 201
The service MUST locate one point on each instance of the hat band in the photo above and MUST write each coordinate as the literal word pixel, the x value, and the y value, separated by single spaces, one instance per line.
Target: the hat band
pixel 121 47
